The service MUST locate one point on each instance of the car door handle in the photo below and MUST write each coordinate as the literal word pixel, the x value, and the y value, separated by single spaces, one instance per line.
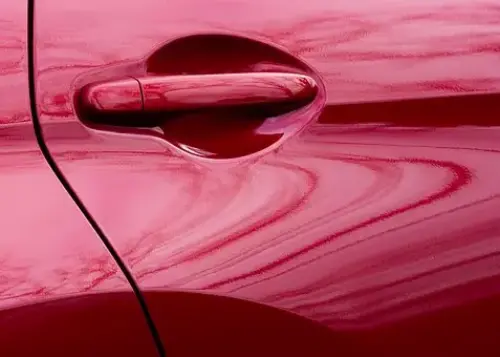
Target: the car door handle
pixel 177 93
pixel 240 99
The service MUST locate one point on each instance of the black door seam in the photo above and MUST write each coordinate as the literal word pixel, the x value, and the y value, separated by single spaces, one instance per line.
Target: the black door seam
pixel 50 160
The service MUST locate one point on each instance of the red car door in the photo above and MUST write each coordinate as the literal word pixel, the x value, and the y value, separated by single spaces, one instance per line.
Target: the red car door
pixel 287 177
pixel 61 292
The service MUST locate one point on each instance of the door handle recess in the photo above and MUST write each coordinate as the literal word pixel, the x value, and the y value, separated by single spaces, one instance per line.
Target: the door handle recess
pixel 242 98
pixel 177 93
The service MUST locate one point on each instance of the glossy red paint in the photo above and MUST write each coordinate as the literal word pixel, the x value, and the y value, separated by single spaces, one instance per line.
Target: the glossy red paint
pixel 61 293
pixel 378 221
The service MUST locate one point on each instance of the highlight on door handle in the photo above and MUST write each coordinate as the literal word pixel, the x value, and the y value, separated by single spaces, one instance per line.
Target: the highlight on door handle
pixel 174 93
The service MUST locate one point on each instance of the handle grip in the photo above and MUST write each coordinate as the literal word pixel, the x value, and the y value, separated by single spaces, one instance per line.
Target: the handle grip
pixel 191 92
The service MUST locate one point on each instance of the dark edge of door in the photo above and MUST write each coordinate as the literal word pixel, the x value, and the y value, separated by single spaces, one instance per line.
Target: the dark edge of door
pixel 31 53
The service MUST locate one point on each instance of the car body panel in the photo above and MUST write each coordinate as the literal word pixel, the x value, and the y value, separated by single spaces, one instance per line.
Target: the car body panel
pixel 61 292
pixel 379 221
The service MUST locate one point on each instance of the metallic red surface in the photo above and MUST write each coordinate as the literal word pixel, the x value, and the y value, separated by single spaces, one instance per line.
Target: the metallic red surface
pixel 61 293
pixel 378 221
